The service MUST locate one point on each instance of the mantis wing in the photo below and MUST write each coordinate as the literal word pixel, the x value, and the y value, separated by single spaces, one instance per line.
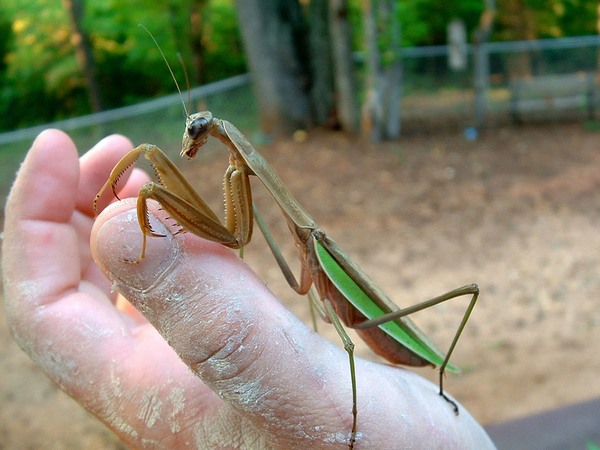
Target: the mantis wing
pixel 359 291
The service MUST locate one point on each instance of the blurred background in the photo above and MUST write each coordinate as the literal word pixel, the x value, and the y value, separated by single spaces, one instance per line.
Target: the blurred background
pixel 457 142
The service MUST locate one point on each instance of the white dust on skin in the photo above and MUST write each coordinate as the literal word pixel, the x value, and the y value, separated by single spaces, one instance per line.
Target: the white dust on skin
pixel 284 409
pixel 215 332
pixel 153 408
pixel 176 398
pixel 45 351
pixel 64 370
pixel 27 293
pixel 112 396
pixel 112 401
pixel 108 399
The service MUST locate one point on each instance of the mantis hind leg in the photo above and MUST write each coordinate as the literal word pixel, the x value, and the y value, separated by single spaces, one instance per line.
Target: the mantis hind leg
pixel 349 347
pixel 324 309
pixel 470 289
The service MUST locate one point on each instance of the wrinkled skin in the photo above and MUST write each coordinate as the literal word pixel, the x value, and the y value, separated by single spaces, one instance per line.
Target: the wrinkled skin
pixel 238 371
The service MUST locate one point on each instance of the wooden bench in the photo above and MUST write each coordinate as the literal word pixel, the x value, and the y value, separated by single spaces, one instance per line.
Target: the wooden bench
pixel 547 93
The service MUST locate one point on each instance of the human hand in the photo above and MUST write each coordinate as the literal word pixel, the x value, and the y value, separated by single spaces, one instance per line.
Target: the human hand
pixel 239 370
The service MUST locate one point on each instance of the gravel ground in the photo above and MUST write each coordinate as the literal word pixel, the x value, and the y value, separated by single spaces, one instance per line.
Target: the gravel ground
pixel 517 211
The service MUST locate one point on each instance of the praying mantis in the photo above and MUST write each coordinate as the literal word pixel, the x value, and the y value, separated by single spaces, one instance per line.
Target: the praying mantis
pixel 348 297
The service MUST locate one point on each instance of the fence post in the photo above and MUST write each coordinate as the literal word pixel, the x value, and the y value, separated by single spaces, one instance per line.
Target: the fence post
pixel 481 59
pixel 482 75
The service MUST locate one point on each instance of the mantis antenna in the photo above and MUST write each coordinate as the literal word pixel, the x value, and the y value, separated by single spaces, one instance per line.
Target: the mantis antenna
pixel 185 108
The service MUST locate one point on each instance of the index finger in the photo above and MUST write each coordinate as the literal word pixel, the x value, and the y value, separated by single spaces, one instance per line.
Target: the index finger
pixel 96 165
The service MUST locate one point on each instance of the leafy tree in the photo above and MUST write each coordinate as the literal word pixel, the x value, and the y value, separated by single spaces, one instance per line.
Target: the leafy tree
pixel 576 18
pixel 41 79
pixel 83 51
pixel 535 19
pixel 424 22
pixel 40 68
pixel 40 65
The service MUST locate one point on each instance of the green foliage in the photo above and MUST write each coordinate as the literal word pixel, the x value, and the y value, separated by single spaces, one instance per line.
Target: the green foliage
pixel 433 16
pixel 224 52
pixel 577 18
pixel 35 73
pixel 423 22
pixel 538 19
pixel 41 79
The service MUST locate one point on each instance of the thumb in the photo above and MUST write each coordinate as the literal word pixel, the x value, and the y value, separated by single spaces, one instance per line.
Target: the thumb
pixel 228 328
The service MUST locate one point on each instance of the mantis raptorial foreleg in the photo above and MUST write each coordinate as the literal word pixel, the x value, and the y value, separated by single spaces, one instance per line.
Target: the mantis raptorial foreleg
pixel 349 297
pixel 183 204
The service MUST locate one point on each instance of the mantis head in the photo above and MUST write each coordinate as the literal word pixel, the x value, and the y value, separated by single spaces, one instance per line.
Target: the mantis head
pixel 197 130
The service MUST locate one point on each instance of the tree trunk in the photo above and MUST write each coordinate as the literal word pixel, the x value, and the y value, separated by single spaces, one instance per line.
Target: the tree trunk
pixel 372 110
pixel 392 71
pixel 322 100
pixel 274 36
pixel 381 108
pixel 83 52
pixel 343 65
pixel 481 61
pixel 186 25
pixel 197 48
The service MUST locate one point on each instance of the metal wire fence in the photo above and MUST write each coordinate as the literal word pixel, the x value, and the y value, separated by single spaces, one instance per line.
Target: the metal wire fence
pixel 159 121
pixel 434 96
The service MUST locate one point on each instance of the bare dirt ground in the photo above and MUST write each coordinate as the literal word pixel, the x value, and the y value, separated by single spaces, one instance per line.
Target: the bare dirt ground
pixel 517 211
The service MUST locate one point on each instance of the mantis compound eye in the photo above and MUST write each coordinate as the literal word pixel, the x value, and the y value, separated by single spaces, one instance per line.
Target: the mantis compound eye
pixel 198 127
